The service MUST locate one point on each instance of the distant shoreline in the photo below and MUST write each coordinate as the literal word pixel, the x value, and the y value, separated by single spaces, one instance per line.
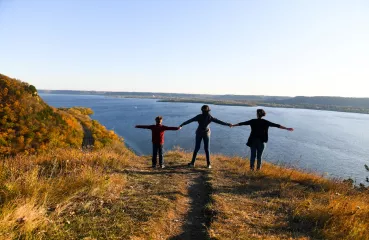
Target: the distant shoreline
pixel 226 103
pixel 336 104
pixel 297 106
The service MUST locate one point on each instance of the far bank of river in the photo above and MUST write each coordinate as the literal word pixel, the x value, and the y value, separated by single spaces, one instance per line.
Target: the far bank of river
pixel 275 105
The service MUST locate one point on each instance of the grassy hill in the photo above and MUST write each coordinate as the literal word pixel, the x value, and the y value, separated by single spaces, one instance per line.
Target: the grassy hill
pixel 107 192
pixel 28 124
pixel 112 194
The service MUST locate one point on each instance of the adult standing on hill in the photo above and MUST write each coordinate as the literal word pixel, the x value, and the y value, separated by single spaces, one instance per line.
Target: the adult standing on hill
pixel 259 136
pixel 203 132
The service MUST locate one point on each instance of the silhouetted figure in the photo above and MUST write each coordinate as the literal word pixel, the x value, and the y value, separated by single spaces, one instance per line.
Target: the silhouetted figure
pixel 157 139
pixel 203 132
pixel 258 136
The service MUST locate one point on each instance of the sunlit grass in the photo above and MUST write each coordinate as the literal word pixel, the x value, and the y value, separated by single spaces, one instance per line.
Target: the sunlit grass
pixel 34 189
pixel 281 202
pixel 110 193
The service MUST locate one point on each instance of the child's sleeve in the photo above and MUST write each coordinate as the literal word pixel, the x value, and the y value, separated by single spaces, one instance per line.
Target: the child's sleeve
pixel 143 126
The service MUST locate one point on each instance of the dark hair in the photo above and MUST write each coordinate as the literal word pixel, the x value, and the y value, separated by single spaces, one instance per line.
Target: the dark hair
pixel 158 119
pixel 260 113
pixel 205 108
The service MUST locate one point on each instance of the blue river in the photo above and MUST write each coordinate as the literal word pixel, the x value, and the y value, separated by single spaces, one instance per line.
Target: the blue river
pixel 334 144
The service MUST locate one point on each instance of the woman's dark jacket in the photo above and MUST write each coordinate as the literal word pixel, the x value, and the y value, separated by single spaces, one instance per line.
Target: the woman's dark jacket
pixel 259 129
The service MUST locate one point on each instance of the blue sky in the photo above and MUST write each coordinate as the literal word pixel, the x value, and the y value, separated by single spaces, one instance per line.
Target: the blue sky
pixel 262 47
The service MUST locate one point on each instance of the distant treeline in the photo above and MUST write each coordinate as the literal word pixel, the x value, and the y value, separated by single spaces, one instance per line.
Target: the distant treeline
pixel 276 105
pixel 333 101
pixel 171 95
pixel 340 104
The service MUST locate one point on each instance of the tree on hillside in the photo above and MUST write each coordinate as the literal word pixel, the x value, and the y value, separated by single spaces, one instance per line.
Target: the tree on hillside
pixel 32 89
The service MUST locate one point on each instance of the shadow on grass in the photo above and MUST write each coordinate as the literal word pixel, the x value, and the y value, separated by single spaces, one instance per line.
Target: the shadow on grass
pixel 198 218
pixel 170 195
pixel 171 169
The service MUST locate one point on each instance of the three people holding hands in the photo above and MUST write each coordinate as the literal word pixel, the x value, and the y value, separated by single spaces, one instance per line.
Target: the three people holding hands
pixel 256 141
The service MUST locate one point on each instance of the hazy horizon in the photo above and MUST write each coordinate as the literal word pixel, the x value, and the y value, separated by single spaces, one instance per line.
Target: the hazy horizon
pixel 263 95
pixel 270 48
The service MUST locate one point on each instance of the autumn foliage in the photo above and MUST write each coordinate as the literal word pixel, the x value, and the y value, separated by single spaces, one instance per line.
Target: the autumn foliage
pixel 29 125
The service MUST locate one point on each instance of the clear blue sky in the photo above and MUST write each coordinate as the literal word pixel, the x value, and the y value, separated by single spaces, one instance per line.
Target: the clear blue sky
pixel 263 47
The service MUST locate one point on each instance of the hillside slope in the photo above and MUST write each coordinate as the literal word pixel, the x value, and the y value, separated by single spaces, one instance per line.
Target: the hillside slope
pixel 112 194
pixel 28 124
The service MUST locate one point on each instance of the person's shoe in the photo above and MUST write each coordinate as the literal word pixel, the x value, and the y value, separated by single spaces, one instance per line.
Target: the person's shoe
pixel 209 166
pixel 162 166
pixel 191 165
pixel 153 166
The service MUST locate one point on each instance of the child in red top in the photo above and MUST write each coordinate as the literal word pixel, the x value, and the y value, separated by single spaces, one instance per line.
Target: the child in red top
pixel 157 139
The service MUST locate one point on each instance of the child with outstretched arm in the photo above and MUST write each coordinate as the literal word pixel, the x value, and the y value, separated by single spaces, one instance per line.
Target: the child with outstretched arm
pixel 157 139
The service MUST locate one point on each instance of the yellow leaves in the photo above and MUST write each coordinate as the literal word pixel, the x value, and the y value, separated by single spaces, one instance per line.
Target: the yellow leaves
pixel 38 135
pixel 43 147
pixel 23 130
pixel 20 140
pixel 5 150
pixel 16 104
pixel 43 130
pixel 2 139
pixel 5 92
pixel 28 141
pixel 72 122
pixel 27 124
pixel 79 110
pixel 10 131
pixel 98 144
pixel 4 120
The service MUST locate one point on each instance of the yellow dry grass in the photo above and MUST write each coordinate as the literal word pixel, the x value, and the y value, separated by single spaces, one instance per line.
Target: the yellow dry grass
pixel 110 193
pixel 284 203
pixel 71 194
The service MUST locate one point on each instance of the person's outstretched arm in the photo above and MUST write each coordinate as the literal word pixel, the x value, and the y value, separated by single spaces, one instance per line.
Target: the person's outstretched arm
pixel 286 128
pixel 194 119
pixel 171 128
pixel 216 120
pixel 279 126
pixel 143 126
pixel 242 124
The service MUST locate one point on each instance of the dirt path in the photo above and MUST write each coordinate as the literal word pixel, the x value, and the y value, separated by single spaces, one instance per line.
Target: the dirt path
pixel 88 140
pixel 188 190
pixel 196 220
pixel 248 205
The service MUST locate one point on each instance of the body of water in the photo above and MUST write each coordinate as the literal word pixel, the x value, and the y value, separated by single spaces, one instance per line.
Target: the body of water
pixel 332 143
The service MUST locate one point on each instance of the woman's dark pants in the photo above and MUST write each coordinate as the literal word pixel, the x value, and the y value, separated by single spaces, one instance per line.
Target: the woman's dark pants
pixel 199 138
pixel 257 149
